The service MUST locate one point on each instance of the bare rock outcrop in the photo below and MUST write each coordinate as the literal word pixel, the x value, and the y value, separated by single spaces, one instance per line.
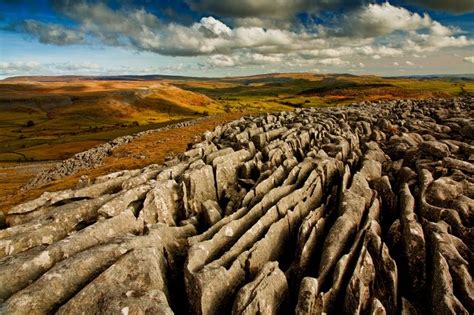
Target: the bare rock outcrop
pixel 360 209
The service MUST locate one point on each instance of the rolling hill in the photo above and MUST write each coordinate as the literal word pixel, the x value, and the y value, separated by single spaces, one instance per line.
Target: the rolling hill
pixel 72 116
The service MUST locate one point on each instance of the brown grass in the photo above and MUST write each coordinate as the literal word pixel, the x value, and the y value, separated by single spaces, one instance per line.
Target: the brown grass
pixel 154 147
pixel 64 150
pixel 14 175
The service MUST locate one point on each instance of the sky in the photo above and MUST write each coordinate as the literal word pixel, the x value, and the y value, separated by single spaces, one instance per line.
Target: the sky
pixel 214 38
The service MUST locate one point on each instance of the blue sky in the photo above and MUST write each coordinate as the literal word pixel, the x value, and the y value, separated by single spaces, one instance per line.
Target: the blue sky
pixel 220 38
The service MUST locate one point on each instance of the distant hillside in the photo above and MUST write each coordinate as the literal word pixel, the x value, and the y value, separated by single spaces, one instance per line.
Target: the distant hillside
pixel 69 78
pixel 53 120
pixel 465 76
pixel 265 76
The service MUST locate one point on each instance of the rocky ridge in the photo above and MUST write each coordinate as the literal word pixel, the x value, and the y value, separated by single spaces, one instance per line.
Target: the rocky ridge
pixel 361 209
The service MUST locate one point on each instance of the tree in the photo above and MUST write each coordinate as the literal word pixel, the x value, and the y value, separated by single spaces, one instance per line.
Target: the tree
pixel 30 123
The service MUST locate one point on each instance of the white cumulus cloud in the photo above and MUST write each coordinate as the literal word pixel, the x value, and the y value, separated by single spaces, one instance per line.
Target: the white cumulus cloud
pixel 367 32
pixel 469 59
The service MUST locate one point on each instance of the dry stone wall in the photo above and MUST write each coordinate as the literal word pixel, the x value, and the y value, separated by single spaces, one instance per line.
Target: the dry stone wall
pixel 360 209
pixel 93 157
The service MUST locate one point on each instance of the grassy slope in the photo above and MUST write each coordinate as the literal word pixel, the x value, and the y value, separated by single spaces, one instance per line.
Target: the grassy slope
pixel 74 116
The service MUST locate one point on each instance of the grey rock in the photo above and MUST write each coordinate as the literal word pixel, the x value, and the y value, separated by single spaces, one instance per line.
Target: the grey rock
pixel 357 297
pixel 436 149
pixel 162 203
pixel 123 200
pixel 51 228
pixel 212 212
pixel 16 274
pixel 199 186
pixel 59 283
pixel 264 294
pixel 307 297
pixel 135 283
pixel 413 241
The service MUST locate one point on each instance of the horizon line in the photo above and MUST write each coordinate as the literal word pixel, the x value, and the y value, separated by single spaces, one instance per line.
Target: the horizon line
pixel 5 78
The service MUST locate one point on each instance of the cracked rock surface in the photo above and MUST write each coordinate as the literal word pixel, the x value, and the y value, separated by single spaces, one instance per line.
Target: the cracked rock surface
pixel 361 209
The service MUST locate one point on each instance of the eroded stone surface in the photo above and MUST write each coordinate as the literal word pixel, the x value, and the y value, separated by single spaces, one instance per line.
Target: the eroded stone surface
pixel 361 209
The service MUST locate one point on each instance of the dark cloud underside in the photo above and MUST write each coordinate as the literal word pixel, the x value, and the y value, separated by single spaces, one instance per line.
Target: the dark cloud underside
pixel 457 6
